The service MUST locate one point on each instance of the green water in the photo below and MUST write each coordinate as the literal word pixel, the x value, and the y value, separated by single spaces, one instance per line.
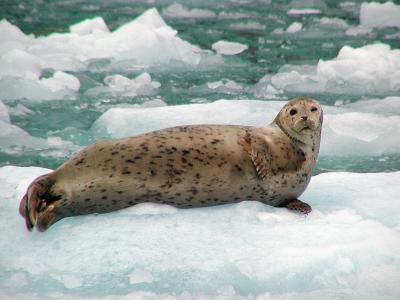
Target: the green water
pixel 71 119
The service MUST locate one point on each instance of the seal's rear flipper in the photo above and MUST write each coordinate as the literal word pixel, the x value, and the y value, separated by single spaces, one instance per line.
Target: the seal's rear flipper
pixel 298 206
pixel 33 202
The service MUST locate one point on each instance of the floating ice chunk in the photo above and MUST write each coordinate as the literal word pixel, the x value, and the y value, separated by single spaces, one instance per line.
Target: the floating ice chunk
pixel 13 138
pixel 360 133
pixel 248 26
pixel 4 113
pixel 294 27
pixel 351 234
pixel 389 106
pixel 90 26
pixel 359 30
pixel 225 85
pixel 147 39
pixel 333 23
pixel 18 63
pixel 61 81
pixel 234 15
pixel 375 14
pixel 372 69
pixel 11 37
pixel 177 10
pixel 12 89
pixel 228 48
pixel 123 84
pixel 303 11
pixel 119 85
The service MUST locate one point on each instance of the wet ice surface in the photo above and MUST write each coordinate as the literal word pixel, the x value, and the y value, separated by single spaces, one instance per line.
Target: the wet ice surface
pixel 70 77
pixel 347 247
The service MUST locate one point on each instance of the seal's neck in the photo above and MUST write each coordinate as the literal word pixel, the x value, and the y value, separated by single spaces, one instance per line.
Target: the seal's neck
pixel 310 151
pixel 292 138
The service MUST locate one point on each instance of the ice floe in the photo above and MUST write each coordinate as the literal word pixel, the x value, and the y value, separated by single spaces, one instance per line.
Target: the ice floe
pixel 294 27
pixel 177 10
pixel 347 248
pixel 15 140
pixel 374 14
pixel 121 86
pixel 363 128
pixel 303 11
pixel 371 69
pixel 145 41
pixel 228 48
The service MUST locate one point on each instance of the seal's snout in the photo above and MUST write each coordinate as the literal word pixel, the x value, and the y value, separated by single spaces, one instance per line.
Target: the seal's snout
pixel 304 118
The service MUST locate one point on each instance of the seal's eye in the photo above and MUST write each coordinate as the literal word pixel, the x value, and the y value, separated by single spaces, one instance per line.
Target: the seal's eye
pixel 293 111
pixel 313 109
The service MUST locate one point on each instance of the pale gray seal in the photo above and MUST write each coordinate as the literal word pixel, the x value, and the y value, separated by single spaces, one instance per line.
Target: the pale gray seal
pixel 185 166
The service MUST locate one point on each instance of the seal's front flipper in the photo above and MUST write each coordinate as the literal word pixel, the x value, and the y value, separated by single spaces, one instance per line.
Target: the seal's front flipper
pixel 298 206
pixel 257 148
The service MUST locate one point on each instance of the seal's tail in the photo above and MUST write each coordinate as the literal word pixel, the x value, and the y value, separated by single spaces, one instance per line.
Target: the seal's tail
pixel 35 206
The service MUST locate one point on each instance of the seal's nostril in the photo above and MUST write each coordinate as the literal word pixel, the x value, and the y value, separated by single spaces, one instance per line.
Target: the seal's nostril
pixel 304 118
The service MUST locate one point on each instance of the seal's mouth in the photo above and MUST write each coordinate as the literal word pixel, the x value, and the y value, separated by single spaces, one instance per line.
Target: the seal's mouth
pixel 306 128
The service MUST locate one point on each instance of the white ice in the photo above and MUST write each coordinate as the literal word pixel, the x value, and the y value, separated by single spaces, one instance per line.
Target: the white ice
pixel 228 48
pixel 178 11
pixel 371 69
pixel 303 11
pixel 374 14
pixel 121 86
pixel 224 86
pixel 347 248
pixel 145 41
pixel 294 27
pixel 363 128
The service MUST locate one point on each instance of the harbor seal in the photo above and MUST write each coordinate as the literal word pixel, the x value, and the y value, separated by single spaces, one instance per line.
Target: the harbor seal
pixel 185 166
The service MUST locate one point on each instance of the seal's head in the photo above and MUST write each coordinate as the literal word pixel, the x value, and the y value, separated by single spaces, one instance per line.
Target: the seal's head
pixel 301 120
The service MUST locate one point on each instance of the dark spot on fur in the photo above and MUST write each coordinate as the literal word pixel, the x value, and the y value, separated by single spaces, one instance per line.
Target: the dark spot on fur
pixel 114 152
pixel 81 161
pixel 238 168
